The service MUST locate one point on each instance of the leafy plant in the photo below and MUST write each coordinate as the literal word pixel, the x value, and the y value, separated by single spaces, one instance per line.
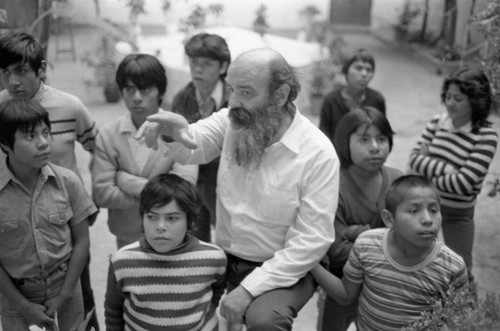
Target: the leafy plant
pixel 459 310
pixel 488 21
pixel 405 18
pixel 325 71
pixel 260 24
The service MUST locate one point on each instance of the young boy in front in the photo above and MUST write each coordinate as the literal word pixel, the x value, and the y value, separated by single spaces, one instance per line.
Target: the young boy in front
pixel 168 280
pixel 44 238
pixel 399 271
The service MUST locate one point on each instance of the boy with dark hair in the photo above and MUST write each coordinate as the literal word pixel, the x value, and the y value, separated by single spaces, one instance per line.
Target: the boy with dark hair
pixel 168 279
pixel 44 238
pixel 399 272
pixel 122 165
pixel 358 70
pixel 22 71
pixel 209 58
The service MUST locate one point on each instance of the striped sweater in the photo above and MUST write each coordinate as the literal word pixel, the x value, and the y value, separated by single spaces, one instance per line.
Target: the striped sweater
pixel 70 121
pixel 469 153
pixel 393 295
pixel 177 290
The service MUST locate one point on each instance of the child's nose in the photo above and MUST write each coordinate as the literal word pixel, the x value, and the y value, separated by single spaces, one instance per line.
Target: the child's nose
pixel 162 226
pixel 426 218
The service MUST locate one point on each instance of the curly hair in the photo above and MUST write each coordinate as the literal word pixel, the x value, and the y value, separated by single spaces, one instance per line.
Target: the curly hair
pixel 476 86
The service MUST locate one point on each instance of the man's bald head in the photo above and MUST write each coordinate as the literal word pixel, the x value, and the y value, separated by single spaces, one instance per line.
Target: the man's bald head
pixel 274 65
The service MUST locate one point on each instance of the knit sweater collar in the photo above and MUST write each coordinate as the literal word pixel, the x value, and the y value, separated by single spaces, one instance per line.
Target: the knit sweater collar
pixel 186 245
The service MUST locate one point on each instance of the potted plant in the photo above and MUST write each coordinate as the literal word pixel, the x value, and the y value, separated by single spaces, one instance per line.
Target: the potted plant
pixel 405 18
pixel 460 310
pixel 102 61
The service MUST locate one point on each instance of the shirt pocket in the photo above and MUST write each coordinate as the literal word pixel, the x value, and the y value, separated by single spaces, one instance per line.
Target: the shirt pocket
pixel 279 205
pixel 10 236
pixel 58 228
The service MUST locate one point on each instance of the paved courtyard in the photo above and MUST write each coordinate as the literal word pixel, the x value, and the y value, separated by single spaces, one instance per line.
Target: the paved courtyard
pixel 412 93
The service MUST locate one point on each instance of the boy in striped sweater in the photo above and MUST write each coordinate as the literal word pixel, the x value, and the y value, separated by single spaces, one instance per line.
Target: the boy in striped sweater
pixel 169 279
pixel 400 271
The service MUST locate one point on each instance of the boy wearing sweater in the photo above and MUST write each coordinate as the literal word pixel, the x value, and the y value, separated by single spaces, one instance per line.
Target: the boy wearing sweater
pixel 168 279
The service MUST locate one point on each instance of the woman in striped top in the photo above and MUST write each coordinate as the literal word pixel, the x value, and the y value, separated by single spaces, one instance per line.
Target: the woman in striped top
pixel 455 151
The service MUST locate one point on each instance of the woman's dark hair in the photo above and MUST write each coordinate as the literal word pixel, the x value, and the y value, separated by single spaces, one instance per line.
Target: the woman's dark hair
pixel 476 86
pixel 359 55
pixel 350 122
pixel 211 46
pixel 20 48
pixel 144 71
pixel 20 115
pixel 163 189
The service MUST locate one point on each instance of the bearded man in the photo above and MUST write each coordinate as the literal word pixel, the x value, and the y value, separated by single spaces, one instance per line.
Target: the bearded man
pixel 277 188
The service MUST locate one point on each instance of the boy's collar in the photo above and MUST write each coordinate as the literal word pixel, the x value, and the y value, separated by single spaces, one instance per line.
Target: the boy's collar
pixel 6 175
pixel 188 240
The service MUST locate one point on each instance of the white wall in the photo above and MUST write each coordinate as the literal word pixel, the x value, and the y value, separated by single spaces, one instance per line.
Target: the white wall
pixel 281 14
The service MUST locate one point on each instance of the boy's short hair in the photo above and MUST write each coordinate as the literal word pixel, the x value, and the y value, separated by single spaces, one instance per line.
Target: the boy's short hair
pixel 20 115
pixel 144 71
pixel 22 48
pixel 163 189
pixel 395 194
pixel 359 55
pixel 207 45
pixel 350 122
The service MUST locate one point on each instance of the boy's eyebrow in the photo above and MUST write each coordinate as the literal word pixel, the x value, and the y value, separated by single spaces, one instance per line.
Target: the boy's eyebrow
pixel 21 65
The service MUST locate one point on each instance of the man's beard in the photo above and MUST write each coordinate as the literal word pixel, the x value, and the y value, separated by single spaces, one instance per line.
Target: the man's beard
pixel 255 130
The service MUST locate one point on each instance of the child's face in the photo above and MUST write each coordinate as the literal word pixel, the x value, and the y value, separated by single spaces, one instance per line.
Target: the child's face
pixel 31 149
pixel 418 217
pixel 205 72
pixel 140 103
pixel 165 227
pixel 21 80
pixel 458 105
pixel 369 148
pixel 359 74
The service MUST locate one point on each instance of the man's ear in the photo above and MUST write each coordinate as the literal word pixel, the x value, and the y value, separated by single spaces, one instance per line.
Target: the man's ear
pixel 280 96
pixel 387 218
pixel 223 68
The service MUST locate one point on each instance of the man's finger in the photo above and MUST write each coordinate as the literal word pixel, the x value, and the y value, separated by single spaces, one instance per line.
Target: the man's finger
pixel 187 140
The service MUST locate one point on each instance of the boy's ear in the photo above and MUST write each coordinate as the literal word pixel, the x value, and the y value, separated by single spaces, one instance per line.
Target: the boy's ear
pixel 387 218
pixel 223 67
pixel 42 69
pixel 4 148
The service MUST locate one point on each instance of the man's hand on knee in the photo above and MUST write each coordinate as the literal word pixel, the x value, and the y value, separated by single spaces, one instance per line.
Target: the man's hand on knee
pixel 235 304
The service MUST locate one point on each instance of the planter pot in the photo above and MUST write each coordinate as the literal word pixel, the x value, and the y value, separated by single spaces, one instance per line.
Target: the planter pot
pixel 316 101
pixel 111 93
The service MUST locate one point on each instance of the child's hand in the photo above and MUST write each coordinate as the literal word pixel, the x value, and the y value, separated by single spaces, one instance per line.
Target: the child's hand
pixel 449 169
pixel 35 314
pixel 424 149
pixel 55 303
